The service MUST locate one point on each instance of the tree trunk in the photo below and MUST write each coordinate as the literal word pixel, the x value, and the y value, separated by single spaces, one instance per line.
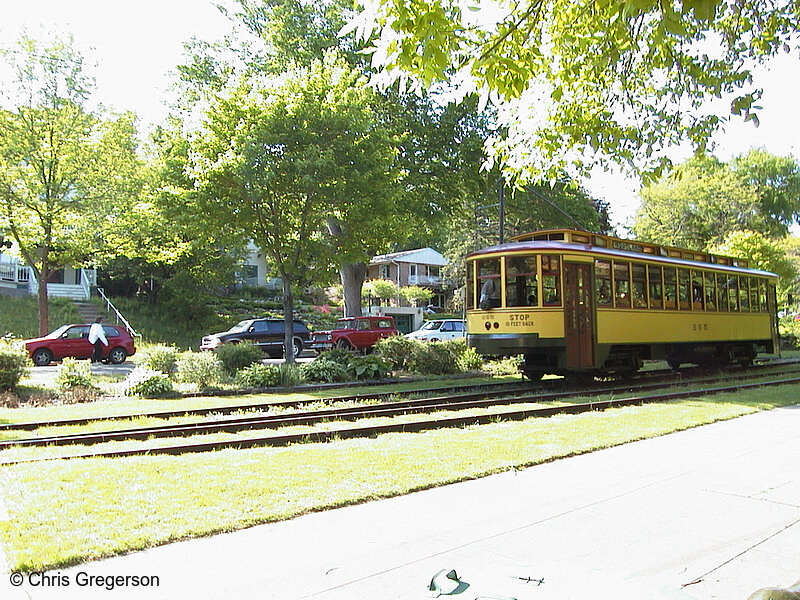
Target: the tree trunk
pixel 352 276
pixel 288 319
pixel 44 307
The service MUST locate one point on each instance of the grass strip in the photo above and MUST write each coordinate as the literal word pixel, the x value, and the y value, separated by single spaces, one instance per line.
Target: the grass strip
pixel 67 512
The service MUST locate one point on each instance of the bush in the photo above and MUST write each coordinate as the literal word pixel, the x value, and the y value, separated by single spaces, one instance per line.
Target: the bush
pixel 235 357
pixel 200 368
pixel 399 351
pixel 14 363
pixel 290 375
pixel 73 373
pixel 160 358
pixel 505 366
pixel 437 358
pixel 470 360
pixel 368 367
pixel 147 383
pixel 325 370
pixel 257 375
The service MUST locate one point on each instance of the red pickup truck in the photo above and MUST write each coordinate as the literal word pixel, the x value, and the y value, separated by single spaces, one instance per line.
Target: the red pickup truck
pixel 354 333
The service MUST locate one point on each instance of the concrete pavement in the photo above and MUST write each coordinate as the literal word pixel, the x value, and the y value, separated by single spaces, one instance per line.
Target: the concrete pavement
pixel 708 513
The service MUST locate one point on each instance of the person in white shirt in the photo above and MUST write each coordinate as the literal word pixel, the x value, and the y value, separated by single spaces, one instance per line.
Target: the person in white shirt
pixel 97 337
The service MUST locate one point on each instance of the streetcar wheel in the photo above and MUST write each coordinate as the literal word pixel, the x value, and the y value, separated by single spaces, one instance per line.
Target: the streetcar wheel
pixel 674 364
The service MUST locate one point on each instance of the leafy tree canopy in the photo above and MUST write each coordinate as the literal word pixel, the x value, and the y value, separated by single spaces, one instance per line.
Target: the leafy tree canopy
pixel 63 169
pixel 703 200
pixel 584 82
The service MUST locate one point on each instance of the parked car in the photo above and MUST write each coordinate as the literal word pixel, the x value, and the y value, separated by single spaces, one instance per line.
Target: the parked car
pixel 267 334
pixel 439 330
pixel 72 341
pixel 354 333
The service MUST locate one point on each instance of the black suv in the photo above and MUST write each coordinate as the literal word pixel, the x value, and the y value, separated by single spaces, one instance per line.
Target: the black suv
pixel 267 334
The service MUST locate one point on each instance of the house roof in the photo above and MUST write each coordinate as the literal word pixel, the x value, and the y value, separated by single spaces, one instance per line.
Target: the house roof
pixel 422 256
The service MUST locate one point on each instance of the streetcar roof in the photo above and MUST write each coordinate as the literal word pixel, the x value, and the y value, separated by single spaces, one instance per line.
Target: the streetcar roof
pixel 561 247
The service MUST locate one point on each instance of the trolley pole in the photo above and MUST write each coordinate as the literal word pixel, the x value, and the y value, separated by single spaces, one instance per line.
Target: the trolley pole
pixel 501 196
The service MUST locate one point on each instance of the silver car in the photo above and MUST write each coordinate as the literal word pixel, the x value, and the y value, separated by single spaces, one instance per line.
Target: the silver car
pixel 439 330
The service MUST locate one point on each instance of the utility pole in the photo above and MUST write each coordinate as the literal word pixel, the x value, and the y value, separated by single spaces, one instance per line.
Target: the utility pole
pixel 501 196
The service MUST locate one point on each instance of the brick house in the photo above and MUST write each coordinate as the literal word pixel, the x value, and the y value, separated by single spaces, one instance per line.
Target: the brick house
pixel 422 267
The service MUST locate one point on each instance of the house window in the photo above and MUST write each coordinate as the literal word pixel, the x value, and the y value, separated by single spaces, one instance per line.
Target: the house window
pixel 383 272
pixel 433 270
pixel 412 273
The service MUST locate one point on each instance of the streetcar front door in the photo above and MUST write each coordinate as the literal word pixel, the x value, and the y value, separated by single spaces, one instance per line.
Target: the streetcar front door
pixel 578 313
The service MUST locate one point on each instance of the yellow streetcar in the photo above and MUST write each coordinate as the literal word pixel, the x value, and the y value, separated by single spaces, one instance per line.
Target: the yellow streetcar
pixel 584 303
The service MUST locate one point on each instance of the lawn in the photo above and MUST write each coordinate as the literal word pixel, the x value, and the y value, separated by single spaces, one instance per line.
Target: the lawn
pixel 67 512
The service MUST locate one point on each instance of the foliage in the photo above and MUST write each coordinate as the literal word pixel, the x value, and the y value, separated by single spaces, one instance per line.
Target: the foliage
pixel 367 366
pixel 14 364
pixel 578 83
pixel 257 375
pixel 147 383
pixel 160 358
pixel 383 289
pixel 437 358
pixel 73 373
pixel 469 359
pixel 701 201
pixel 414 294
pixel 504 366
pixel 289 375
pixel 202 369
pixel 63 169
pixel 325 370
pixel 235 357
pixel 288 160
pixel 398 350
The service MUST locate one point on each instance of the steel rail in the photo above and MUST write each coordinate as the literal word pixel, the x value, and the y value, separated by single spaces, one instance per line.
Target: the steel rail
pixel 411 426
pixel 395 408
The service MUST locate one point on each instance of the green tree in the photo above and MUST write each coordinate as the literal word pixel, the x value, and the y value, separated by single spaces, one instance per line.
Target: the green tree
pixel 62 168
pixel 283 159
pixel 413 294
pixel 382 289
pixel 703 200
pixel 582 82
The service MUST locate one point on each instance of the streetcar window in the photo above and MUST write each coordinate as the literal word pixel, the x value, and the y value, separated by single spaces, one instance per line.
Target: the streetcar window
pixel 754 294
pixel 762 295
pixel 733 293
pixel 697 290
pixel 470 285
pixel 521 282
pixel 744 300
pixel 670 288
pixel 602 276
pixel 622 292
pixel 639 279
pixel 711 291
pixel 489 283
pixel 722 291
pixel 551 280
pixel 683 289
pixel 656 287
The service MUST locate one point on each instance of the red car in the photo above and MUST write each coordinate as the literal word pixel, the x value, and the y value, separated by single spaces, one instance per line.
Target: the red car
pixel 72 341
pixel 354 333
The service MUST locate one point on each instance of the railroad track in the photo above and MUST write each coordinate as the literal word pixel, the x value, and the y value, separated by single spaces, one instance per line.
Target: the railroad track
pixel 462 402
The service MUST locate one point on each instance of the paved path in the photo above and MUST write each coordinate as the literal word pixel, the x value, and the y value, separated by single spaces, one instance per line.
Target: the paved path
pixel 708 513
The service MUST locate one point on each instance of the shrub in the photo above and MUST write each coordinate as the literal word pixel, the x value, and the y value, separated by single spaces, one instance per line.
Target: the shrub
pixel 258 375
pixel 506 366
pixel 73 373
pixel 14 363
pixel 368 367
pixel 290 375
pixel 438 358
pixel 235 357
pixel 147 383
pixel 200 368
pixel 337 355
pixel 399 351
pixel 324 369
pixel 160 358
pixel 469 359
